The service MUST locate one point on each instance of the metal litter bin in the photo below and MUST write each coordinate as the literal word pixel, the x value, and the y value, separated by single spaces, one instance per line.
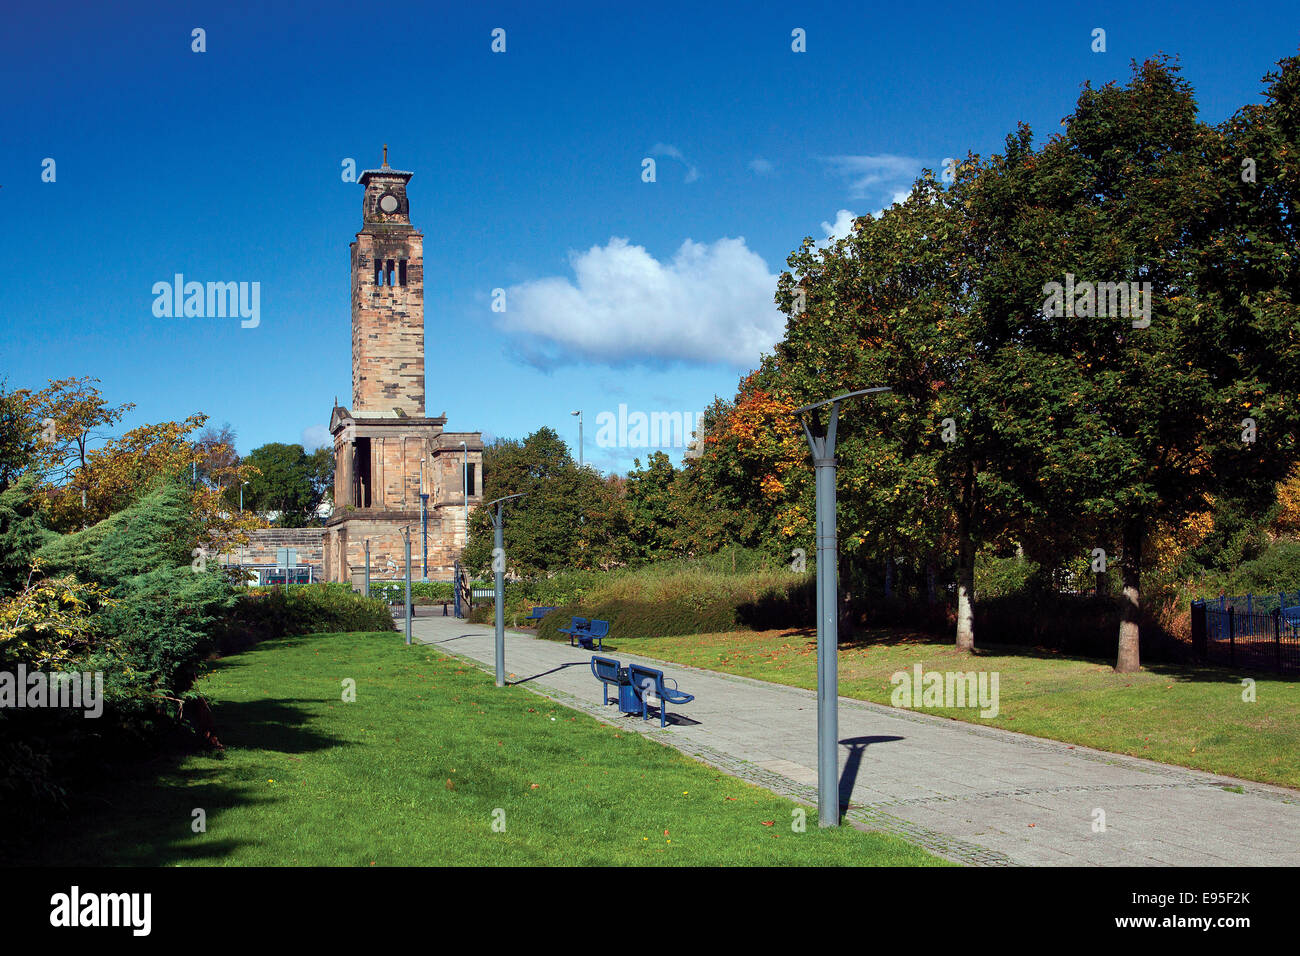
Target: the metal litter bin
pixel 628 701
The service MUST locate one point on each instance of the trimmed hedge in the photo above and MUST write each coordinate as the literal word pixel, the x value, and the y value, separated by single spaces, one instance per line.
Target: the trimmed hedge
pixel 687 602
pixel 267 612
pixel 422 592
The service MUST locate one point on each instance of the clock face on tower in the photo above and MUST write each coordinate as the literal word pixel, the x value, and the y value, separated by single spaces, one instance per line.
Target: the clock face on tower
pixel 388 203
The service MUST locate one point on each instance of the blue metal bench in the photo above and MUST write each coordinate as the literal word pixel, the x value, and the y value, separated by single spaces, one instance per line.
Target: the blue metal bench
pixel 647 681
pixel 612 674
pixel 538 613
pixel 594 635
pixel 577 625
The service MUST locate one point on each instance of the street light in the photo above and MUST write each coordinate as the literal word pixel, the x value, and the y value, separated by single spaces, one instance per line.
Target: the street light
pixel 579 414
pixel 464 485
pixel 406 538
pixel 821 442
pixel 424 526
pixel 499 569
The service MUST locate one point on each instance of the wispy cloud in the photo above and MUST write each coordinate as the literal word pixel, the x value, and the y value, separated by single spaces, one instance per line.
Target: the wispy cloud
pixel 761 166
pixel 875 177
pixel 316 436
pixel 672 152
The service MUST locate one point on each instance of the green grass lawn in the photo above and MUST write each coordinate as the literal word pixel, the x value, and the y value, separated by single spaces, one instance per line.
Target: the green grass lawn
pixel 1194 717
pixel 417 769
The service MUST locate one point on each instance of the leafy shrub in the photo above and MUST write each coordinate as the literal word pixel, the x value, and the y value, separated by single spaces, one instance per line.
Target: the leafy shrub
pixel 21 533
pixel 998 577
pixel 158 531
pixel 1277 569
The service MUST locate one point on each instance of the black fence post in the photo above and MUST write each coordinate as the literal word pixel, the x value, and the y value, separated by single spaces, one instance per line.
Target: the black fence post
pixel 1277 639
pixel 1232 642
pixel 1198 630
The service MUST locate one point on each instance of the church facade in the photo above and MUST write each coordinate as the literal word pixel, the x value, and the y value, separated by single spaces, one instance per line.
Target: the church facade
pixel 387 451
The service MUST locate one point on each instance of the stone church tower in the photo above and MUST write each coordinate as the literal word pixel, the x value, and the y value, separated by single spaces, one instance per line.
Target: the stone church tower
pixel 387 452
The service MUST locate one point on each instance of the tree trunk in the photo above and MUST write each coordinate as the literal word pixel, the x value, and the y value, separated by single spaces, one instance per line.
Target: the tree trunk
pixel 1131 602
pixel 889 578
pixel 965 592
pixel 930 594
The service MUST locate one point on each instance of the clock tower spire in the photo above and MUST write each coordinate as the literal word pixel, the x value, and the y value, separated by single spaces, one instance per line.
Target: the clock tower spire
pixel 387 300
pixel 397 472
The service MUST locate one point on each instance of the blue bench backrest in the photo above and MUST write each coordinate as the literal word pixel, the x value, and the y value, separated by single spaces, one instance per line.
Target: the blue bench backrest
pixel 643 677
pixel 579 622
pixel 605 668
pixel 599 628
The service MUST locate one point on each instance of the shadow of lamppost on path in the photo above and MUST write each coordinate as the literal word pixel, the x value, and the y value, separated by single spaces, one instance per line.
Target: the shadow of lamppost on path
pixel 857 746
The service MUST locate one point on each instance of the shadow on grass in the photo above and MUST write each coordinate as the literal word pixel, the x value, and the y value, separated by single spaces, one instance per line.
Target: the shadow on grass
pixel 143 815
pixel 1188 671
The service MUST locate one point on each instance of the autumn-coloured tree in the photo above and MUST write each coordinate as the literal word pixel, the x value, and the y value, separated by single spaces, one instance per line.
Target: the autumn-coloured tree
pixel 73 418
pixel 218 459
pixel 1288 500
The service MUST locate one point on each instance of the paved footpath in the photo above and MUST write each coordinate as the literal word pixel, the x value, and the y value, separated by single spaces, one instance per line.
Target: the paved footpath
pixel 971 793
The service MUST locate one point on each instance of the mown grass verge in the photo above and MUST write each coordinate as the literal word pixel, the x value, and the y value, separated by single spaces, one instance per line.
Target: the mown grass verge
pixel 1190 716
pixel 418 769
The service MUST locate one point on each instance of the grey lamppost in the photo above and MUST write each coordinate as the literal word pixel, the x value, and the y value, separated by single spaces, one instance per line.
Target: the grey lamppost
pixel 241 496
pixel 406 537
pixel 464 484
pixel 499 569
pixel 424 527
pixel 579 414
pixel 821 442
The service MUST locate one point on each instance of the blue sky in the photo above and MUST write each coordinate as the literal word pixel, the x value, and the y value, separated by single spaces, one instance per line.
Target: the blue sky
pixel 226 166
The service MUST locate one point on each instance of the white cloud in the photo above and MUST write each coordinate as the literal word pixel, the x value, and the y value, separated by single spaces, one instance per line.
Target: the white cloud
pixel 761 166
pixel 841 227
pixel 672 152
pixel 874 176
pixel 711 303
pixel 316 436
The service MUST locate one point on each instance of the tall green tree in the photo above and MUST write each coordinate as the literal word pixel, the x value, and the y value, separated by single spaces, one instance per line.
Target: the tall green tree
pixel 1130 419
pixel 897 304
pixel 290 481
pixel 571 517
